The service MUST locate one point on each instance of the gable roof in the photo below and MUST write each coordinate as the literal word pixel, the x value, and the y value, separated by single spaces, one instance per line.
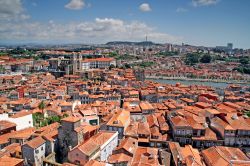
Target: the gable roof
pixel 4 124
pixel 10 161
pixel 95 142
pixel 119 158
pixel 192 156
pixel 88 147
pixel 129 144
pixel 71 119
pixel 220 155
pixel 36 142
pixel 119 118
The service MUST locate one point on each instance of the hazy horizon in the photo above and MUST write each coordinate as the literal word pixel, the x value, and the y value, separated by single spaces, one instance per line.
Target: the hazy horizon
pixel 206 23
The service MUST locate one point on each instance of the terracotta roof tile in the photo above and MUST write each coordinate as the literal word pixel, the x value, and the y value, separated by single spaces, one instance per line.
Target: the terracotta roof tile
pixel 192 156
pixel 71 119
pixel 119 158
pixel 21 114
pixel 22 134
pixel 8 150
pixel 145 156
pixel 94 163
pixel 36 142
pixel 129 144
pixel 220 155
pixel 120 118
pixel 10 161
pixel 6 124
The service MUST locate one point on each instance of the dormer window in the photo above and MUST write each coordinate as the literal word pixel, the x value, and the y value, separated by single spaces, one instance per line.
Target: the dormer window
pixel 115 122
pixel 147 154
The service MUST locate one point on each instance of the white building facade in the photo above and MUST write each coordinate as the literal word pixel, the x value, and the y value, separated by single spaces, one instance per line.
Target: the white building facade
pixel 107 148
pixel 21 122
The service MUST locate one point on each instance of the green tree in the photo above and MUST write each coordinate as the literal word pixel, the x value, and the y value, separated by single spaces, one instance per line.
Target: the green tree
pixel 206 58
pixel 3 53
pixel 248 113
pixel 192 58
pixel 244 60
pixel 37 118
pixel 146 64
pixel 44 123
pixel 243 69
pixel 53 119
pixel 36 58
pixel 246 70
pixel 65 115
pixel 2 69
pixel 42 105
pixel 113 54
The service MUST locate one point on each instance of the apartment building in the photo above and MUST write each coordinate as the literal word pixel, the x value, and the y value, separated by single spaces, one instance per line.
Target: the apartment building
pixel 99 146
pixel 119 122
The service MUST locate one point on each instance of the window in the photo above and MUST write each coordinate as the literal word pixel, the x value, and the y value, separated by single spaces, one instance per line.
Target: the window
pixel 42 148
pixel 37 151
pixel 77 162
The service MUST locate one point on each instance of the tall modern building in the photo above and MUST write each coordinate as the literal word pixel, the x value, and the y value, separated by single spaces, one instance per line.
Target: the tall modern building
pixel 230 46
pixel 227 48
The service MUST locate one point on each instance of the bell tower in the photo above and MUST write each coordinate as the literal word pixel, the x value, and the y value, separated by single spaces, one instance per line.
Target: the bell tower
pixel 80 62
pixel 74 63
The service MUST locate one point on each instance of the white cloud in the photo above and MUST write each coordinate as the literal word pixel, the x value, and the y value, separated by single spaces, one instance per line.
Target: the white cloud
pixel 12 9
pixel 75 4
pixel 197 3
pixel 98 31
pixel 181 10
pixel 107 21
pixel 145 7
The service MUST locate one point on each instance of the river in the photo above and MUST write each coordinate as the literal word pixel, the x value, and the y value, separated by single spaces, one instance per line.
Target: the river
pixel 187 82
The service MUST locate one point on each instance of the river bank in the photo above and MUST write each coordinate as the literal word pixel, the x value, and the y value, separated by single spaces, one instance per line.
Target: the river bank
pixel 198 80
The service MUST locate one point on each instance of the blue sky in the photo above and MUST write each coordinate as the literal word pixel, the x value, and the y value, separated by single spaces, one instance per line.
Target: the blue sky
pixel 197 22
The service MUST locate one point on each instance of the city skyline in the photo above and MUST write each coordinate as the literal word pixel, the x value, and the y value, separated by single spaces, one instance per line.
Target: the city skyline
pixel 196 22
pixel 132 82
